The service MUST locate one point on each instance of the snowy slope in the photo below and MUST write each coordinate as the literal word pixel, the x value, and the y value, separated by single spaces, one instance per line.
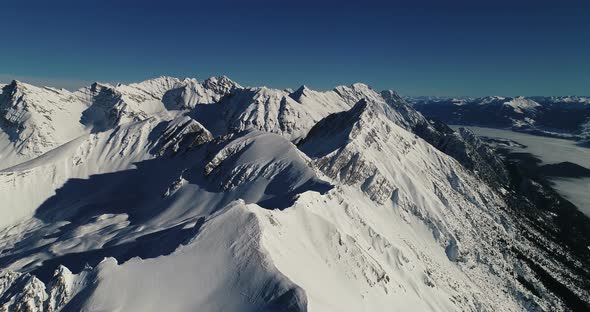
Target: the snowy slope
pixel 242 167
pixel 181 195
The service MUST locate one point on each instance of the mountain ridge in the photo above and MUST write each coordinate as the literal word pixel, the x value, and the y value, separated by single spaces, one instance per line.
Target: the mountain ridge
pixel 178 194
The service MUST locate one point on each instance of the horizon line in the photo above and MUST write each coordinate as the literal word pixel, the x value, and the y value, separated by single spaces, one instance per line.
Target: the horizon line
pixel 73 85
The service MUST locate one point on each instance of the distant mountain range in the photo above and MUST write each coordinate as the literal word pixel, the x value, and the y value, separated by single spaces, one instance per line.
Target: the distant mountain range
pixel 565 117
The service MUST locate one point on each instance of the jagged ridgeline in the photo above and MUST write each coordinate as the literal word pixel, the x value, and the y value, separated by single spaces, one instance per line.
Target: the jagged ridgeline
pixel 184 195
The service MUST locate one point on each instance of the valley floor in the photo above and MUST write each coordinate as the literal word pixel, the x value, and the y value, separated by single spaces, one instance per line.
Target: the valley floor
pixel 550 151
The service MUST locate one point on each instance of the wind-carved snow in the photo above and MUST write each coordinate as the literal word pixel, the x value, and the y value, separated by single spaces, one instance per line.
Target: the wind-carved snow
pixel 191 195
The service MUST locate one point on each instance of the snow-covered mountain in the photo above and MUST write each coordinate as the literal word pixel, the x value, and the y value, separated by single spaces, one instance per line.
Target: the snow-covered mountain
pixel 183 195
pixel 35 120
pixel 565 117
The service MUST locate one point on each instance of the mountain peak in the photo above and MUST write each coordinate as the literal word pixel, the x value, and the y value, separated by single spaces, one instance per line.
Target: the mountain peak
pixel 14 86
pixel 353 93
pixel 333 131
pixel 297 94
pixel 14 83
pixel 360 85
pixel 522 102
pixel 361 106
pixel 220 84
pixel 390 94
pixel 96 86
pixel 159 80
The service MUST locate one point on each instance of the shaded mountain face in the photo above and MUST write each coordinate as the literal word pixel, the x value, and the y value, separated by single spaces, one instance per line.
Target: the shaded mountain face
pixel 181 195
pixel 566 117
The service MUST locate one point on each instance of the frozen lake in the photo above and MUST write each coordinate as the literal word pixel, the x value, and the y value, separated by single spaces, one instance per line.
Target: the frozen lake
pixel 550 151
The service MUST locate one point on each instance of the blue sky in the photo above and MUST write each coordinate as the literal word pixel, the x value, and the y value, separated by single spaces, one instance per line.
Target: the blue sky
pixel 415 47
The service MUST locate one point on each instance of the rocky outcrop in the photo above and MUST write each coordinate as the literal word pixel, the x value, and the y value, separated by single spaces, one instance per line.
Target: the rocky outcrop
pixel 180 134
pixel 25 292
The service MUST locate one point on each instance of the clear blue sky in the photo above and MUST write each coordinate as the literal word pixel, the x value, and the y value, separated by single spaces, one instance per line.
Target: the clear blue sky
pixel 416 47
